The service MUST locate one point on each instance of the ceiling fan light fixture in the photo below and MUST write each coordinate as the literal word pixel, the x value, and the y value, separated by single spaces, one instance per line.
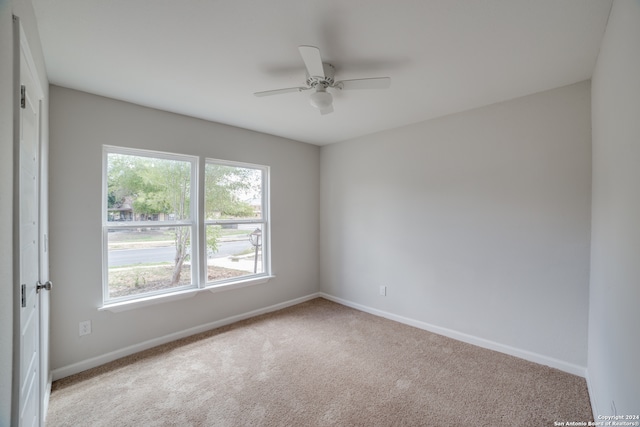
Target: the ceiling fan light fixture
pixel 321 99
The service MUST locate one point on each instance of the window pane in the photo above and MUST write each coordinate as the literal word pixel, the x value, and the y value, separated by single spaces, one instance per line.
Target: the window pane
pixel 147 189
pixel 145 260
pixel 232 192
pixel 234 250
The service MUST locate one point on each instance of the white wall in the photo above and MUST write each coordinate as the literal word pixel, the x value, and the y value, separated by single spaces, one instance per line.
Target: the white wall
pixel 477 222
pixel 80 124
pixel 614 313
pixel 8 298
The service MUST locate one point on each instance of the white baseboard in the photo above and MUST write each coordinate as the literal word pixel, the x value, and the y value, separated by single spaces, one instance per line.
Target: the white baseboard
pixel 470 339
pixel 93 362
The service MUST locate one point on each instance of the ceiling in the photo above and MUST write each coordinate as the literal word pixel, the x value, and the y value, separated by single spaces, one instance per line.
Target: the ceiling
pixel 206 58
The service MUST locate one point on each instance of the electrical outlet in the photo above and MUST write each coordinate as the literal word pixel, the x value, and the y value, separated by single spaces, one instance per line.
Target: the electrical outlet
pixel 383 291
pixel 85 327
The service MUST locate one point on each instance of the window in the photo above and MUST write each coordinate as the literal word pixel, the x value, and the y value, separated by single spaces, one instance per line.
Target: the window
pixel 155 238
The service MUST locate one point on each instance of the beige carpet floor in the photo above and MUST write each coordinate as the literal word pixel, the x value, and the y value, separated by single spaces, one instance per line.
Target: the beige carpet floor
pixel 318 364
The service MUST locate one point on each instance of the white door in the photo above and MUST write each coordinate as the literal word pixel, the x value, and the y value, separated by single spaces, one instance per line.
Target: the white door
pixel 27 182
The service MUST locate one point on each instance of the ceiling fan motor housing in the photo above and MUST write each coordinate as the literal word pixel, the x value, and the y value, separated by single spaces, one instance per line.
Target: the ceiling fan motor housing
pixel 324 81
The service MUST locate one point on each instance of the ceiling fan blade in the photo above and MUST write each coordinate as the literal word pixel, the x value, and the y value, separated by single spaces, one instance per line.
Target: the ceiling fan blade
pixel 279 91
pixel 327 110
pixel 372 83
pixel 312 60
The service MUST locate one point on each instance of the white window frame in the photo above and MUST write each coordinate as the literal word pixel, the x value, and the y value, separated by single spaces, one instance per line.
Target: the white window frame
pixel 263 221
pixel 197 223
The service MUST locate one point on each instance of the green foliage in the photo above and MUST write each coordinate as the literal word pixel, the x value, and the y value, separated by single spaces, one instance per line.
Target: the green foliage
pixel 124 177
pixel 229 191
pixel 111 200
pixel 149 185
pixel 213 235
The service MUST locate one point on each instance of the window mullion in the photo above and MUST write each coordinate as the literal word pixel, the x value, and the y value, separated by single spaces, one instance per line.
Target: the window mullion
pixel 200 227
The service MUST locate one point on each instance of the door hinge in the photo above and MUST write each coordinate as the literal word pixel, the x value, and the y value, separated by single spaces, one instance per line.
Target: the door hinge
pixel 23 96
pixel 23 295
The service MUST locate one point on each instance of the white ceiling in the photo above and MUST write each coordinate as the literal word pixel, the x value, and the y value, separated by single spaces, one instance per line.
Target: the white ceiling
pixel 205 58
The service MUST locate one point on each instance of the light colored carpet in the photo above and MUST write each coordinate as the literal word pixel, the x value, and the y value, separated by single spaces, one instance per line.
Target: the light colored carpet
pixel 319 364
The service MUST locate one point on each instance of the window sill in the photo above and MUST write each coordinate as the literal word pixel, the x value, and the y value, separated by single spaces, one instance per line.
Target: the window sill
pixel 118 307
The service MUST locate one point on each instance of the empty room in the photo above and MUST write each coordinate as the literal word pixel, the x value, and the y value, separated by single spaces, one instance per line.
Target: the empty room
pixel 320 213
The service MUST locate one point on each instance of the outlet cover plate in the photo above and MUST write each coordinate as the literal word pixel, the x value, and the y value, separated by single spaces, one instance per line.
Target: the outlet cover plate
pixel 85 328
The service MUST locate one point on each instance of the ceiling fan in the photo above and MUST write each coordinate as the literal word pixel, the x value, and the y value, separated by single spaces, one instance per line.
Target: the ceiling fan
pixel 320 77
